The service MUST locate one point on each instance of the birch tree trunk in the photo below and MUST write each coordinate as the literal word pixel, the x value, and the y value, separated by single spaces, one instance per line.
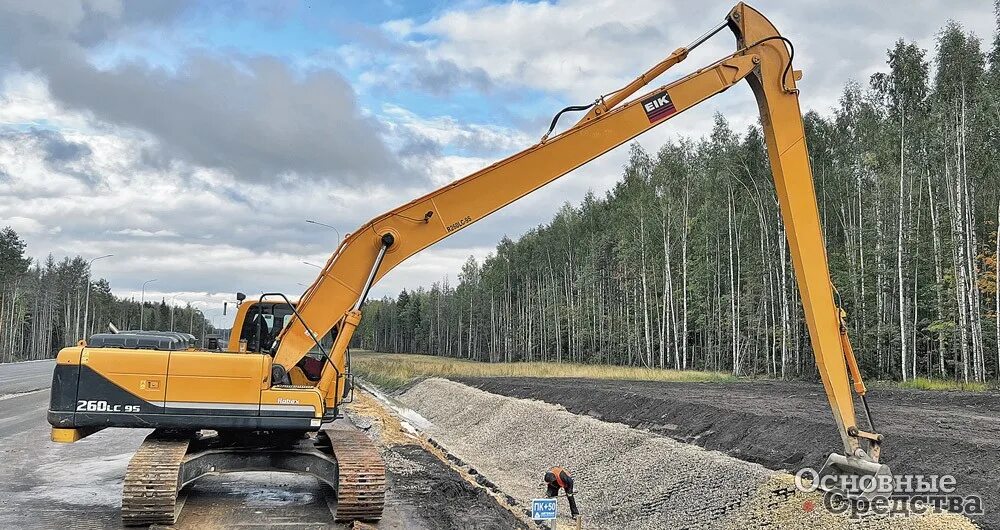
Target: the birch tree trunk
pixel 899 251
pixel 996 288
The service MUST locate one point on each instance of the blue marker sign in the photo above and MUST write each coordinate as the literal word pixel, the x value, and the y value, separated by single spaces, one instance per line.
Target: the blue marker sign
pixel 543 509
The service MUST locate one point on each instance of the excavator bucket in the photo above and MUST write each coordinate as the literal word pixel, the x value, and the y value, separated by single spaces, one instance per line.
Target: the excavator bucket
pixel 854 477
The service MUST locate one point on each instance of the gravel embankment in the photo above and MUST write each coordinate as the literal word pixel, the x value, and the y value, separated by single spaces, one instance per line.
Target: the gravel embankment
pixel 625 477
pixel 787 425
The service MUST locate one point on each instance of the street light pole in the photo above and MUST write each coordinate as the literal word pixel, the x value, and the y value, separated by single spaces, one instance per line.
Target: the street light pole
pixel 191 319
pixel 317 223
pixel 142 303
pixel 173 299
pixel 216 319
pixel 204 327
pixel 86 303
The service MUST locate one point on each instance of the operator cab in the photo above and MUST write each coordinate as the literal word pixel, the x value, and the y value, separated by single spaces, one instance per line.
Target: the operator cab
pixel 260 322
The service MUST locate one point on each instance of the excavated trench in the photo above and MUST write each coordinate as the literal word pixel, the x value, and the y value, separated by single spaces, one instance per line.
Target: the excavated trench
pixel 787 424
pixel 626 477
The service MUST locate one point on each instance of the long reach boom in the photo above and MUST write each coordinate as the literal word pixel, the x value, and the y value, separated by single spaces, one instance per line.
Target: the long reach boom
pixel 763 58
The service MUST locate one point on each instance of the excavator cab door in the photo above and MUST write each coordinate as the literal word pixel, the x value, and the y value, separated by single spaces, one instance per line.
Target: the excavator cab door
pixel 261 324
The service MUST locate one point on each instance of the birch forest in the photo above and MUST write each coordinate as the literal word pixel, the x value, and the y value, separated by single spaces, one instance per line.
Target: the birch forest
pixel 685 264
pixel 43 305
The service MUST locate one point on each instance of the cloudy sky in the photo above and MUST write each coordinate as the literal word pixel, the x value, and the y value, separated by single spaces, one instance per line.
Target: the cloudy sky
pixel 192 141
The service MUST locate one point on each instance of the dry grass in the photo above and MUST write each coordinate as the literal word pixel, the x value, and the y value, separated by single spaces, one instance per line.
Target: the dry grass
pixel 393 370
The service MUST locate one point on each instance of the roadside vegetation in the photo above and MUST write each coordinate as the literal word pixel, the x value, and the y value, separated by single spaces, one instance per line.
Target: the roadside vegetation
pixel 48 304
pixel 391 371
pixel 924 383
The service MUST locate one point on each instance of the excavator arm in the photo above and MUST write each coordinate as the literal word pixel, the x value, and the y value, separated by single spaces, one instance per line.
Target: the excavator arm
pixel 763 58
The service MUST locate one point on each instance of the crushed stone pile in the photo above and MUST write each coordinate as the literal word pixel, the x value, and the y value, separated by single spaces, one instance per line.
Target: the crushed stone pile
pixel 625 477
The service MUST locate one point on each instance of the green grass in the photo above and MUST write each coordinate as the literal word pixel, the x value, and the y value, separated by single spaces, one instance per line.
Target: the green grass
pixel 925 383
pixel 392 371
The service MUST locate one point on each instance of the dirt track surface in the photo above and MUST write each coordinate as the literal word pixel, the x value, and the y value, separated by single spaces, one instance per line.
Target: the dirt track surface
pixel 436 497
pixel 788 425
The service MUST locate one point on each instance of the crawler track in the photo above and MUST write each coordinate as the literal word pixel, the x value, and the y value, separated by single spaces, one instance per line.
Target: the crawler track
pixel 152 481
pixel 361 490
pixel 166 461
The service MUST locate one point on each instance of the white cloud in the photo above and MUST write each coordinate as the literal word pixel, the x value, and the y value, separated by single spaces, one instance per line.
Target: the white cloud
pixel 579 49
pixel 23 225
pixel 574 47
pixel 201 233
pixel 25 99
pixel 446 131
pixel 449 168
pixel 138 232
pixel 205 235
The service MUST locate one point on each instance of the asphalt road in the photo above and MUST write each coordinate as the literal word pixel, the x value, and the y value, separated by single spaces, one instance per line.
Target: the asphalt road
pixel 25 377
pixel 22 395
pixel 21 412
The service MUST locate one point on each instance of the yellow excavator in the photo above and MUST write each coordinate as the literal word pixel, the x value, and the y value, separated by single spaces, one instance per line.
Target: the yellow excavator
pixel 268 402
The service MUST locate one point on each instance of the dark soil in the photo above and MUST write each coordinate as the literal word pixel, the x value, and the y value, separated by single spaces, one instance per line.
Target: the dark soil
pixel 788 425
pixel 432 495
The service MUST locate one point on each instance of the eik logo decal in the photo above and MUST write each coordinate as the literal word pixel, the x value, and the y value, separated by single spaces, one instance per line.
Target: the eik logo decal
pixel 658 107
